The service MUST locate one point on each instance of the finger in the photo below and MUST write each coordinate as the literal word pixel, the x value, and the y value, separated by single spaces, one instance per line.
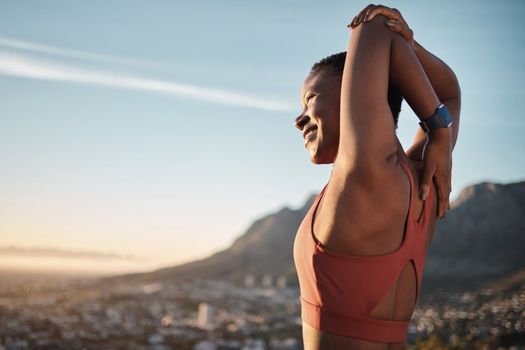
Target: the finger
pixel 442 189
pixel 398 25
pixel 443 194
pixel 367 14
pixel 445 203
pixel 449 191
pixel 357 19
pixel 382 10
pixel 426 180
pixel 361 16
pixel 352 24
pixel 394 25
pixel 448 184
pixel 442 208
pixel 441 205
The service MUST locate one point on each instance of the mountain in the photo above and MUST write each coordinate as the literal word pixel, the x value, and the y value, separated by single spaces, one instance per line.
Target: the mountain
pixel 265 248
pixel 482 239
pixel 479 243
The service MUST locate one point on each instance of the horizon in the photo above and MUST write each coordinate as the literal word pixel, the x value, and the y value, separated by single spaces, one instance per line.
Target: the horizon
pixel 165 131
pixel 38 260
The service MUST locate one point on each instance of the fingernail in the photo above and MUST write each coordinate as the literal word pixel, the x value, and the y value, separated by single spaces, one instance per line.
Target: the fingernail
pixel 423 194
pixel 388 23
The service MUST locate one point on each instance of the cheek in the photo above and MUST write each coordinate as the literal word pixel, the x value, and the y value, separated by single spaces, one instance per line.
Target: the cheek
pixel 336 127
pixel 327 116
pixel 330 128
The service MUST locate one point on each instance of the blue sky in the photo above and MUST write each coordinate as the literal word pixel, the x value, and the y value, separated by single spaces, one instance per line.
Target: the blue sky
pixel 163 129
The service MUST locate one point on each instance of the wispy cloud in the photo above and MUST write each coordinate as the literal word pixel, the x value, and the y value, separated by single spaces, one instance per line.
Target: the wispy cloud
pixel 65 254
pixel 14 64
pixel 78 54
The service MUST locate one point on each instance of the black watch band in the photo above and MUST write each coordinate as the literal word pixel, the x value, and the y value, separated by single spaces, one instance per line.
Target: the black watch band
pixel 440 119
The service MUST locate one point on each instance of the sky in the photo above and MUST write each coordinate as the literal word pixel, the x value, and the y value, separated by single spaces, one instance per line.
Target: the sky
pixel 163 129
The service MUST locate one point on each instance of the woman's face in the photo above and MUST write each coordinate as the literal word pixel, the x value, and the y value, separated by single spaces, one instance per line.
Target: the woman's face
pixel 319 120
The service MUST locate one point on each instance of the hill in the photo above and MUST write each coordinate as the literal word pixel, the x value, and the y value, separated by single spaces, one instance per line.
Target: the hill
pixel 479 243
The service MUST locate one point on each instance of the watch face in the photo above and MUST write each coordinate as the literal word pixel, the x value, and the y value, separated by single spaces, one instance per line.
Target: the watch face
pixel 440 119
pixel 444 117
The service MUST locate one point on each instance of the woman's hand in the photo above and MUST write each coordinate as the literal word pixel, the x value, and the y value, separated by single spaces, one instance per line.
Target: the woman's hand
pixel 415 151
pixel 437 165
pixel 396 22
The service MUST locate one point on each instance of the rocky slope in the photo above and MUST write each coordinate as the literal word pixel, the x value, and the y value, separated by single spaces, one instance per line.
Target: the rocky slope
pixel 481 242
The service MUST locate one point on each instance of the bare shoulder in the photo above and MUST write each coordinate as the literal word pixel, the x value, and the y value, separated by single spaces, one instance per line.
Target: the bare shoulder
pixel 380 178
pixel 357 209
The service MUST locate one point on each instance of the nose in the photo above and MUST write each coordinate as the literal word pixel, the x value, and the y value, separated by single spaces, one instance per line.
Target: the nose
pixel 301 121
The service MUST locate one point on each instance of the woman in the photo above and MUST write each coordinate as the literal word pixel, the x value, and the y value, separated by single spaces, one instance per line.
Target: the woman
pixel 360 250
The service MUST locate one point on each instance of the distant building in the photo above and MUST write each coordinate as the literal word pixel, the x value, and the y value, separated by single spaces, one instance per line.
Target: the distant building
pixel 155 339
pixel 281 282
pixel 267 281
pixel 205 345
pixel 166 321
pixel 204 318
pixel 249 280
pixel 253 344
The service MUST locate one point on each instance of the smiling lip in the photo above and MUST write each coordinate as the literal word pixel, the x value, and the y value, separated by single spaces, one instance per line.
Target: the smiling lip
pixel 308 129
pixel 310 135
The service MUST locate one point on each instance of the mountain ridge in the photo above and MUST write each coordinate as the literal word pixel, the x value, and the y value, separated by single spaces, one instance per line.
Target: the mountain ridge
pixel 476 245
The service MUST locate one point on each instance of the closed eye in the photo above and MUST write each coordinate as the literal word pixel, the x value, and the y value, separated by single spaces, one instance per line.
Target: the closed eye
pixel 309 97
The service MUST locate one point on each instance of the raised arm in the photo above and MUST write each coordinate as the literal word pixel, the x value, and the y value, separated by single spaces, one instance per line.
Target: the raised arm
pixel 447 88
pixel 443 80
pixel 367 133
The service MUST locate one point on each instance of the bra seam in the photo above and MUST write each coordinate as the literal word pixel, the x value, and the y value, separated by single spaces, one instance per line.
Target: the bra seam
pixel 322 308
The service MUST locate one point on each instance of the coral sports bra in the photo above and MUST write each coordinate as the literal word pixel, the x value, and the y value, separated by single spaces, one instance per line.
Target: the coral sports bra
pixel 338 291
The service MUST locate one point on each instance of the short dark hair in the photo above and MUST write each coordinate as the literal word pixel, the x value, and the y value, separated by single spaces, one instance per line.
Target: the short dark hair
pixel 335 63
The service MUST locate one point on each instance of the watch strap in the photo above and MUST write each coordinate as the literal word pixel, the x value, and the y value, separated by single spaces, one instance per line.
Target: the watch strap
pixel 440 119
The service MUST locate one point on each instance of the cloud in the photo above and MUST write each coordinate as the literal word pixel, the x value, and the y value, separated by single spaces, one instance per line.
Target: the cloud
pixel 64 254
pixel 83 55
pixel 35 68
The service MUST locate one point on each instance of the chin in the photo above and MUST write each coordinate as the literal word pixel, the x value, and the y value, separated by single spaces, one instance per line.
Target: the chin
pixel 319 161
pixel 319 157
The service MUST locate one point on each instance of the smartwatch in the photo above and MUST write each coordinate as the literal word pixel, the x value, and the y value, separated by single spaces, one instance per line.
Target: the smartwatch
pixel 440 119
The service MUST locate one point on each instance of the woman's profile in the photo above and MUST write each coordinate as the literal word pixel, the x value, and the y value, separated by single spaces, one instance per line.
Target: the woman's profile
pixel 360 250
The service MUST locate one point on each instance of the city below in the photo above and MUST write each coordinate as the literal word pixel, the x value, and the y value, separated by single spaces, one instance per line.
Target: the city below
pixel 63 312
